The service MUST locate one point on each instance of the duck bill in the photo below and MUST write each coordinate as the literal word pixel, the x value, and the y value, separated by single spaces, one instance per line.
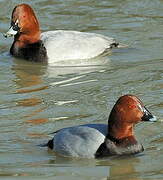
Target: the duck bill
pixel 148 116
pixel 10 33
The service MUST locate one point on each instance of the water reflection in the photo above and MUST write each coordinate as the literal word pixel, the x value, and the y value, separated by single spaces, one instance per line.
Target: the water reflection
pixel 108 169
pixel 78 66
pixel 29 80
pixel 28 74
pixel 125 172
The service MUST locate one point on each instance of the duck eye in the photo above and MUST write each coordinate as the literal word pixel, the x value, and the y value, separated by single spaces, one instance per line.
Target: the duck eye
pixel 133 106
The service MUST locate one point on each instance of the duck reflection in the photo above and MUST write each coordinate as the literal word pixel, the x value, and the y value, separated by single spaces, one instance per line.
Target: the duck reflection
pixel 28 74
pixel 125 171
pixel 79 66
pixel 29 80
pixel 109 169
pixel 124 168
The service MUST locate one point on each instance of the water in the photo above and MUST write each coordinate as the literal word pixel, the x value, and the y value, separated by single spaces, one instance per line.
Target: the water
pixel 36 99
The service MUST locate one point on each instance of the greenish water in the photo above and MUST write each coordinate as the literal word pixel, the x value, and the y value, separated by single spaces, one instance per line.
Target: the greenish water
pixel 36 99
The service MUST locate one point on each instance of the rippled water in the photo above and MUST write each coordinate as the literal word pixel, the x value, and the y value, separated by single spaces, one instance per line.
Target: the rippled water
pixel 36 99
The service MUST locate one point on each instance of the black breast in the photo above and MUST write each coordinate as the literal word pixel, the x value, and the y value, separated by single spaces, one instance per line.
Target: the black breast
pixel 31 52
pixel 109 148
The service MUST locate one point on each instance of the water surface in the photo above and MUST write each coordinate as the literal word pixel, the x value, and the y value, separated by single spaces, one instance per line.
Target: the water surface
pixel 37 99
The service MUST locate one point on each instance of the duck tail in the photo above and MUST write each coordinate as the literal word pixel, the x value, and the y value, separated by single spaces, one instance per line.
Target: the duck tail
pixel 118 45
pixel 113 45
pixel 49 144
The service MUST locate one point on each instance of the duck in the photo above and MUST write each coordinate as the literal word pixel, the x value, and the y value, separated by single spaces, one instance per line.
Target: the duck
pixel 52 46
pixel 104 140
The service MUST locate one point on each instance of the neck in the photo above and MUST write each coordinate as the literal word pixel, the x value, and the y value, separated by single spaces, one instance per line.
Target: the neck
pixel 21 40
pixel 122 135
pixel 123 142
pixel 120 131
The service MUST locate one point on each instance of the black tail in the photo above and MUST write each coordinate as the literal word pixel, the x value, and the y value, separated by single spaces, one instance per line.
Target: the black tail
pixel 113 45
pixel 49 144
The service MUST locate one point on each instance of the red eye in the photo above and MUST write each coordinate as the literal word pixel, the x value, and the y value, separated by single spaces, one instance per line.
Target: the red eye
pixel 132 106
